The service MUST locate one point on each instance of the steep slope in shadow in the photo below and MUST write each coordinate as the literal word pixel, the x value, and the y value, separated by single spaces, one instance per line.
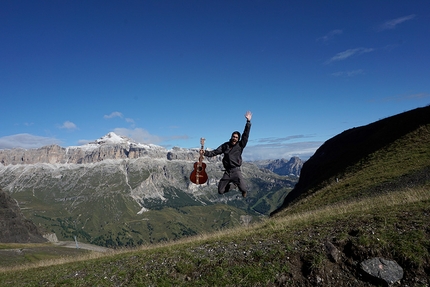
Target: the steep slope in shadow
pixel 349 147
pixel 15 228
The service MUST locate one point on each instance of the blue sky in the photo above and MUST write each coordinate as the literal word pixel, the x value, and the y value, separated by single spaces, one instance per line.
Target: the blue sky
pixel 170 72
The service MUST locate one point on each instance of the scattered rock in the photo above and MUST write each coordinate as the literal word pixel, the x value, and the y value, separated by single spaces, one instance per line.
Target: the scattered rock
pixel 51 237
pixel 332 252
pixel 384 270
pixel 282 280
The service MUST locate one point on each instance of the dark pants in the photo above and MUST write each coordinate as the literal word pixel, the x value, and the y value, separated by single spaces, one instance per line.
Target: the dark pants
pixel 232 176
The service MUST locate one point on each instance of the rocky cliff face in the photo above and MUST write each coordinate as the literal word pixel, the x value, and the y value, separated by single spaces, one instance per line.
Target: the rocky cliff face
pixel 110 146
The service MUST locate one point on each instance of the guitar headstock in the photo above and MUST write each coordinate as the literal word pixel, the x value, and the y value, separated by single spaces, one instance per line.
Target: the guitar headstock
pixel 202 141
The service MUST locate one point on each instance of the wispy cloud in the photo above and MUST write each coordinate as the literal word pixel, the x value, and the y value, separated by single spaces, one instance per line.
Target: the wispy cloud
pixel 26 141
pixel 278 140
pixel 348 73
pixel 138 134
pixel 406 97
pixel 113 115
pixel 392 24
pixel 128 120
pixel 303 150
pixel 119 115
pixel 330 35
pixel 143 136
pixel 281 147
pixel 68 125
pixel 83 142
pixel 348 54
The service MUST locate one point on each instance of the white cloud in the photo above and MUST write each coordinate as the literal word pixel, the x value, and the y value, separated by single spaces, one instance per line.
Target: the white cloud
pixel 143 136
pixel 139 135
pixel 84 142
pixel 119 115
pixel 113 115
pixel 330 35
pixel 26 141
pixel 349 53
pixel 391 24
pixel 68 125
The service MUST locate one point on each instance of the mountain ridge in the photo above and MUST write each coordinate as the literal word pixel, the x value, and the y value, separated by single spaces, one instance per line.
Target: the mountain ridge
pixel 331 160
pixel 110 146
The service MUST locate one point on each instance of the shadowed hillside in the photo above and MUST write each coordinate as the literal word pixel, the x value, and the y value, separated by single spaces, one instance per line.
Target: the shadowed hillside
pixel 14 227
pixel 332 159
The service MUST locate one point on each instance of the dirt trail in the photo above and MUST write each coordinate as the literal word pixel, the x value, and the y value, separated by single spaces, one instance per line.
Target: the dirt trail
pixel 86 246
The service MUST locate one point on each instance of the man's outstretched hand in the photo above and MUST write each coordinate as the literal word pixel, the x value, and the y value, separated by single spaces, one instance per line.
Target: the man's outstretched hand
pixel 248 116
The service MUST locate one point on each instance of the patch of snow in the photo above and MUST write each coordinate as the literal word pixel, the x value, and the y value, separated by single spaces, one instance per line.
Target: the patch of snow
pixel 85 147
pixel 112 138
pixel 143 210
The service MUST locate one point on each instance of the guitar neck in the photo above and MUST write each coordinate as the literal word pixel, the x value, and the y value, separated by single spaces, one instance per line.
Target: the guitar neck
pixel 202 147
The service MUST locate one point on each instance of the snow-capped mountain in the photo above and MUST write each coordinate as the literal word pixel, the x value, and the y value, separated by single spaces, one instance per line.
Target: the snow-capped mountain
pixel 113 138
pixel 110 146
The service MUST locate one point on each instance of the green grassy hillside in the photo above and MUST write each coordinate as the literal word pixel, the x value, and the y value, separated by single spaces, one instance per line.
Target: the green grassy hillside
pixel 401 165
pixel 379 206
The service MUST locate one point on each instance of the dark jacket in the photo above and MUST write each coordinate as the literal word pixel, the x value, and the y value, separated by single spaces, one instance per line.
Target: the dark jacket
pixel 232 153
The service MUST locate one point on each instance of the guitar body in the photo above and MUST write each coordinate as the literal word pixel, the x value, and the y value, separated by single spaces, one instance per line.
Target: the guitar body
pixel 198 175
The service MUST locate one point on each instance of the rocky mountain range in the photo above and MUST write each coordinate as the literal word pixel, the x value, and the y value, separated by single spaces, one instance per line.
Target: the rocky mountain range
pixel 111 146
pixel 292 167
pixel 115 192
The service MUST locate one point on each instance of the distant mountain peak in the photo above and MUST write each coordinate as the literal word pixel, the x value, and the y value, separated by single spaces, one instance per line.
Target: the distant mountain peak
pixel 282 166
pixel 113 138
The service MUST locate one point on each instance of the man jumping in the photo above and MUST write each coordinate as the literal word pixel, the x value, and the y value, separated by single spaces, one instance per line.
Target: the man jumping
pixel 232 159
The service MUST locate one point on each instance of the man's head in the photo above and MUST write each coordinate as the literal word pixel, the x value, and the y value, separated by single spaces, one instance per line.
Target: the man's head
pixel 235 137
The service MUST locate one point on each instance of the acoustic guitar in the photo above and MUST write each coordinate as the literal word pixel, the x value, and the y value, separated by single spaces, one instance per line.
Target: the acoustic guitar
pixel 198 175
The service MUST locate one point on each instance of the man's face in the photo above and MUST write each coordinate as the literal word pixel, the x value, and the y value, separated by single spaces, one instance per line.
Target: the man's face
pixel 234 139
